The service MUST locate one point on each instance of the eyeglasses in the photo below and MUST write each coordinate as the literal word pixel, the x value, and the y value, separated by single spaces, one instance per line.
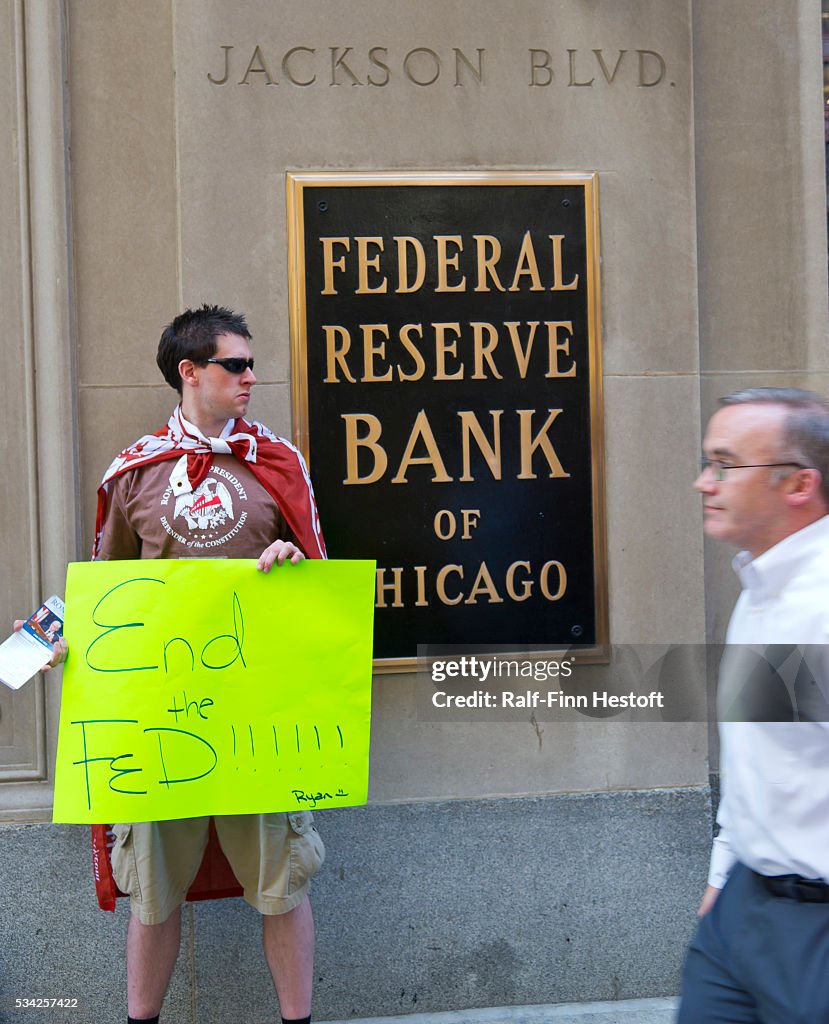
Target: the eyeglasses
pixel 233 364
pixel 719 468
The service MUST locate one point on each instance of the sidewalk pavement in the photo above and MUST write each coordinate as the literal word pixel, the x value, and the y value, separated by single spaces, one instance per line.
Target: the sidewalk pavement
pixel 626 1011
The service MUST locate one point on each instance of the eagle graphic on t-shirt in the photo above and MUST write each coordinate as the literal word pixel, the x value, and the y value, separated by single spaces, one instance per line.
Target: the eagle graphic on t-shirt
pixel 207 507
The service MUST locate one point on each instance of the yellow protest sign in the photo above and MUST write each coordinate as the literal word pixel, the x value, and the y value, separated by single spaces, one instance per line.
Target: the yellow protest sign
pixel 202 686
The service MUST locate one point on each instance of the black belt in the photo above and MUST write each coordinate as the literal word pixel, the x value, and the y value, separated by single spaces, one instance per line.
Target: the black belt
pixel 806 890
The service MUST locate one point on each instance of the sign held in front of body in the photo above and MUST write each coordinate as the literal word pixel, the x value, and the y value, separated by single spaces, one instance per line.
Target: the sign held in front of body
pixel 202 686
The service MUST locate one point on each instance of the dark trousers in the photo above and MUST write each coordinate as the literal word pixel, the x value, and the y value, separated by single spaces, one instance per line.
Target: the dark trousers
pixel 757 959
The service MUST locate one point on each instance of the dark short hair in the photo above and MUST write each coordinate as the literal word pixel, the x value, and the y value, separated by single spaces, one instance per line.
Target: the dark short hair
pixel 805 428
pixel 192 335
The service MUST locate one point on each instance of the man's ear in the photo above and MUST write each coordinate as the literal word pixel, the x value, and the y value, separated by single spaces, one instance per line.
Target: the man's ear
pixel 804 487
pixel 187 371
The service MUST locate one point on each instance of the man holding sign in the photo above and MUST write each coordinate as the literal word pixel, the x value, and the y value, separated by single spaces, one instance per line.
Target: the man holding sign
pixel 211 484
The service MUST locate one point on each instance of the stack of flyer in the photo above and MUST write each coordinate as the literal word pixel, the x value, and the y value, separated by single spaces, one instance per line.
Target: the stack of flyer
pixel 26 651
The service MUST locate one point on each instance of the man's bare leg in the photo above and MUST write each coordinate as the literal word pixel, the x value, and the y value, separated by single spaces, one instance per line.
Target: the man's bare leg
pixel 289 950
pixel 152 950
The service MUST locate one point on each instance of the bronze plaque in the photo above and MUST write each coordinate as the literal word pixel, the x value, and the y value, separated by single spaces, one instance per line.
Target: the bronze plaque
pixel 448 398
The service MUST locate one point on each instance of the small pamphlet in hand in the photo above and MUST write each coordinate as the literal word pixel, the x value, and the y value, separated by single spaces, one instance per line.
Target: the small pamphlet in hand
pixel 25 653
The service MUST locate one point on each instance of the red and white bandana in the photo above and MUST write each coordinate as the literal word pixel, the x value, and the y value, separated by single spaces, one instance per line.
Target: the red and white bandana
pixel 275 462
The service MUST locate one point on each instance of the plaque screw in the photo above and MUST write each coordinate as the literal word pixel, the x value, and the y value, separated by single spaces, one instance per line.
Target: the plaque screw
pixel 576 631
pixel 322 206
pixel 565 202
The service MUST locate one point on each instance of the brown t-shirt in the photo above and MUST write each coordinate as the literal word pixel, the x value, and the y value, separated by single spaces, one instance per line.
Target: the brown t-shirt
pixel 229 515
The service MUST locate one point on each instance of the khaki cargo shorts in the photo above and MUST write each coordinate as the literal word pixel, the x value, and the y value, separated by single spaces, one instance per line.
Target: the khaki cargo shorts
pixel 273 856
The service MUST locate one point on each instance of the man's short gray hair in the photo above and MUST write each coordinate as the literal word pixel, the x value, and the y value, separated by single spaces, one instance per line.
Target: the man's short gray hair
pixel 805 428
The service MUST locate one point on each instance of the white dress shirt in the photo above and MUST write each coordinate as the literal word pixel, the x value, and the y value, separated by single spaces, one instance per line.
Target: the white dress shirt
pixel 774 811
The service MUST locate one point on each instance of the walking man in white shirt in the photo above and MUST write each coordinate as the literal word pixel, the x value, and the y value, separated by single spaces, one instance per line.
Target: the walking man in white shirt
pixel 761 951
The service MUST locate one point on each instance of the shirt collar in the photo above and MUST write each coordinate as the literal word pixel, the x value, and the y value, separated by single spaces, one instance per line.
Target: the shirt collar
pixel 767 574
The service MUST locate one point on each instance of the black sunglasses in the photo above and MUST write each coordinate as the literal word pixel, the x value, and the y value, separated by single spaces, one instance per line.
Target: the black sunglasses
pixel 233 364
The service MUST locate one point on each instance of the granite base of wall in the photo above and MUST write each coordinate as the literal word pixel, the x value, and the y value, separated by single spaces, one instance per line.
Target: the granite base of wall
pixel 419 907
